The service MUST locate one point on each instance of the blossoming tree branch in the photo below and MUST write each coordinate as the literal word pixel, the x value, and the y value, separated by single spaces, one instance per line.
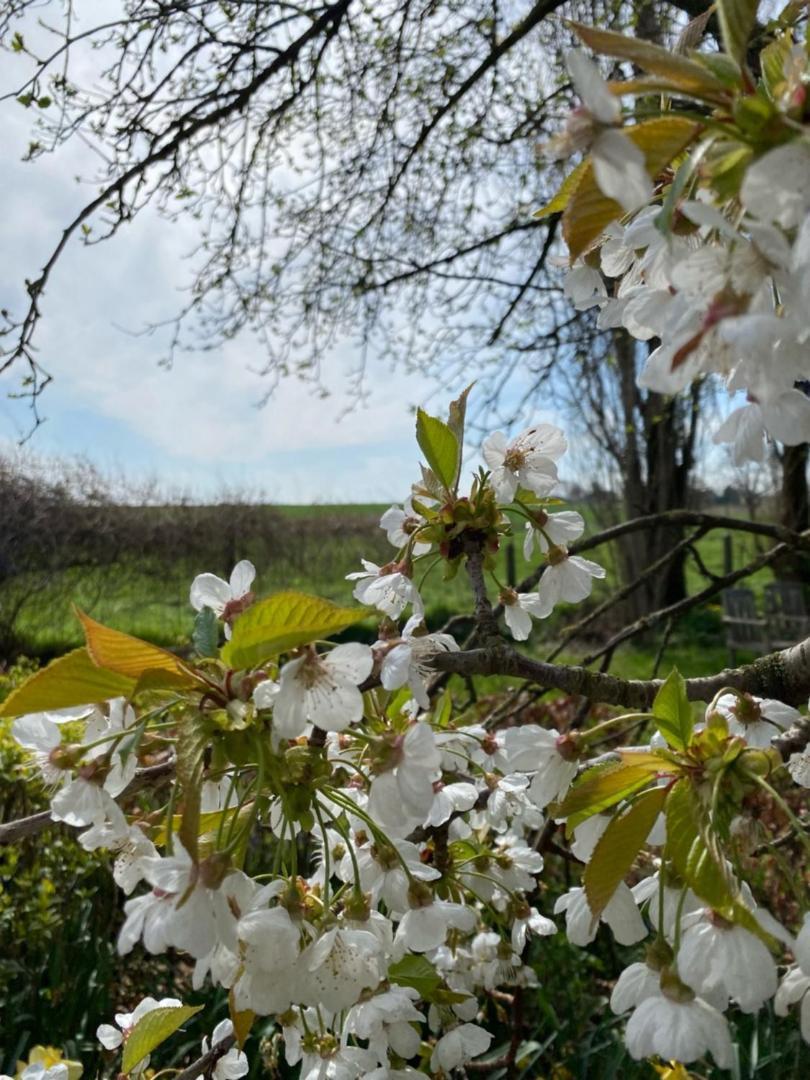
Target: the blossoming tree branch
pixel 406 834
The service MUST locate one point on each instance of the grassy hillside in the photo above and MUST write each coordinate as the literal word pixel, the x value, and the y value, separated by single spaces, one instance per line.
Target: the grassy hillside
pixel 309 548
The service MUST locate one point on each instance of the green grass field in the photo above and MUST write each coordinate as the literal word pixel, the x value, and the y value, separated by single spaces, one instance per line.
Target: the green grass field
pixel 312 551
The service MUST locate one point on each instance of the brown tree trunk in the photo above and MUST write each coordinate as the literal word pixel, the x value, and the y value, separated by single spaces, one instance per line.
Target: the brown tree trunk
pixel 795 509
pixel 657 461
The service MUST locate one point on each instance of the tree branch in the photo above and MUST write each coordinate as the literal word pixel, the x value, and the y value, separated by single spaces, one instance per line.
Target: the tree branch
pixel 782 675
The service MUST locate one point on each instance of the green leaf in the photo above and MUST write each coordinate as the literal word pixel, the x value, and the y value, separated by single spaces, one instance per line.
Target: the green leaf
pixel 690 77
pixel 72 679
pixel 737 19
pixel 772 60
pixel 153 1029
pixel 440 447
pixel 133 658
pixel 566 189
pixel 589 212
pixel 418 972
pixel 673 711
pixel 618 846
pixel 193 739
pixel 455 421
pixel 282 622
pixel 600 788
pixel 205 635
pixel 691 852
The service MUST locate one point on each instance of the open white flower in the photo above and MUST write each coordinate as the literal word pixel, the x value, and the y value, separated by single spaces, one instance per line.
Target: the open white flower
pixel 233 1064
pixel 269 944
pixel 618 164
pixel 111 1037
pixel 567 579
pixel 556 530
pixel 425 927
pixel 321 689
pixel 339 966
pixel 518 609
pixel 545 753
pixel 528 461
pixel 227 599
pixel 720 961
pixel 401 797
pixel 620 914
pixel 681 1028
pixel 757 720
pixel 408 663
pixel 400 523
pixel 458 1046
pixel 387 588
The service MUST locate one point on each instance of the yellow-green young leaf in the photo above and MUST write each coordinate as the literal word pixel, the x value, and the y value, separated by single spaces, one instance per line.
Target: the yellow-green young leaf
pixel 772 61
pixel 589 212
pixel 737 18
pixel 440 447
pixel 688 76
pixel 129 656
pixel 282 622
pixel 193 739
pixel 72 679
pixel 455 421
pixel 673 711
pixel 153 1029
pixel 242 1021
pixel 687 847
pixel 564 192
pixel 600 788
pixel 618 846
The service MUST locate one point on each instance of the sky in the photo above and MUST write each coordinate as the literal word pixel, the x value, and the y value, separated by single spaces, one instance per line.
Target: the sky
pixel 197 428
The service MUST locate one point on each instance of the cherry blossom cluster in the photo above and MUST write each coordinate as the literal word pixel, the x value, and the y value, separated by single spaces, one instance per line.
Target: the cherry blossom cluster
pixel 350 855
pixel 711 264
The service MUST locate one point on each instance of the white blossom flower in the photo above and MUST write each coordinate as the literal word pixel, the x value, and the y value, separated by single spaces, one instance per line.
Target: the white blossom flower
pixel 387 588
pixel 528 461
pixel 530 921
pixel 233 1064
pixel 720 961
pixel 112 1037
pixel 518 609
pixel 620 914
pixel 449 799
pixel 618 164
pixel 408 663
pixel 546 754
pixel 556 530
pixel 339 966
pixel 386 1020
pixel 400 523
pixel 269 944
pixel 40 736
pixel 424 928
pixel 681 1030
pixel 401 797
pixel 386 872
pixel 226 599
pixel 757 720
pixel 567 579
pixel 458 1046
pixel 636 982
pixel 322 689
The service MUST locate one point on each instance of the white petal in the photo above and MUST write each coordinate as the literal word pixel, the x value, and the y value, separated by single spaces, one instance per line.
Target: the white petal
pixel 619 170
pixel 242 577
pixel 208 590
